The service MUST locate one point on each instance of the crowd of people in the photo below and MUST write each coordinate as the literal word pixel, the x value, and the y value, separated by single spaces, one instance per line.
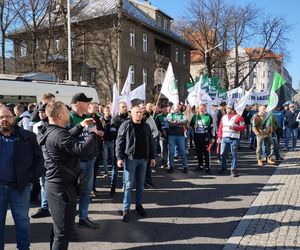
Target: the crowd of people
pixel 63 147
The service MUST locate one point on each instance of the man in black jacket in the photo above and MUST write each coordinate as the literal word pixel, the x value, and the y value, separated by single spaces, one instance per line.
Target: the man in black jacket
pixel 61 151
pixel 134 147
pixel 291 122
pixel 21 163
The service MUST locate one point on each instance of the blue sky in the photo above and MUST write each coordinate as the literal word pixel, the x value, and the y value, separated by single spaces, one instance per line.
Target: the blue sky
pixel 290 9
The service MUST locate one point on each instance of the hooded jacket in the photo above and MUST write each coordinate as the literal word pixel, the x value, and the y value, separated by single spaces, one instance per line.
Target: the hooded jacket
pixel 61 148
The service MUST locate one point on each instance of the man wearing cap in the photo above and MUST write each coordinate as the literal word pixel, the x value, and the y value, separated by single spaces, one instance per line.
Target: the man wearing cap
pixel 80 104
pixel 231 126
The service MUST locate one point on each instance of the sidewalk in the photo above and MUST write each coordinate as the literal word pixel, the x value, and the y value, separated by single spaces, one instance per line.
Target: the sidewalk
pixel 273 220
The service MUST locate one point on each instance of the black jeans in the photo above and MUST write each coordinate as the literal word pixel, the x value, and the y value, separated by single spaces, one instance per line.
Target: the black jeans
pixel 201 144
pixel 62 204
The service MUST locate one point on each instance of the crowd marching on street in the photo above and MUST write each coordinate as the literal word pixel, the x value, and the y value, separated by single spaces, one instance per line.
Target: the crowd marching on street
pixel 54 151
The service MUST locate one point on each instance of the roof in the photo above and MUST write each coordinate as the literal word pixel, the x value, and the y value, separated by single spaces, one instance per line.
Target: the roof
pixel 90 9
pixel 255 53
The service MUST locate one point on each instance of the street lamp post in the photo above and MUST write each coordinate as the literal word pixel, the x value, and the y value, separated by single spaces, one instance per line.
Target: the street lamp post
pixel 69 42
pixel 205 54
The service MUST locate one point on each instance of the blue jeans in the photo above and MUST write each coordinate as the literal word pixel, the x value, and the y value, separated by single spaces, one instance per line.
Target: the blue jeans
pixel 84 199
pixel 19 205
pixel 227 143
pixel 134 170
pixel 108 150
pixel 44 201
pixel 178 141
pixel 288 132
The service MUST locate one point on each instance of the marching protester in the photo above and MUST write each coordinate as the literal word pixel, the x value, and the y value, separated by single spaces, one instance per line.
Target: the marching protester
pixel 291 121
pixel 110 135
pixel 21 163
pixel 231 126
pixel 62 149
pixel 262 126
pixel 116 122
pixel 252 138
pixel 150 121
pixel 163 137
pixel 177 123
pixel 203 137
pixel 22 117
pixel 43 211
pixel 134 147
pixel 80 104
pixel 93 109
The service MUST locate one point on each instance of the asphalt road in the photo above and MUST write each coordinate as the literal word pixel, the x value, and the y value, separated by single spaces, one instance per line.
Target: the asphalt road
pixel 185 211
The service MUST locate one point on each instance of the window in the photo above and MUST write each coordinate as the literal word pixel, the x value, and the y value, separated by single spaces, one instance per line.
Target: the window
pixel 132 37
pixel 23 49
pixel 132 74
pixel 184 58
pixel 145 42
pixel 176 55
pixel 159 76
pixel 56 43
pixel 165 24
pixel 145 75
pixel 93 75
pixel 160 21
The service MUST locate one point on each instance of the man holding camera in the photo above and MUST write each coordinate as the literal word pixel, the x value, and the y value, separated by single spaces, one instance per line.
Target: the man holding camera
pixel 62 150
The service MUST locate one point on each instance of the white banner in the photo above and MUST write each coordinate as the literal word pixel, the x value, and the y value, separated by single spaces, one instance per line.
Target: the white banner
pixel 260 98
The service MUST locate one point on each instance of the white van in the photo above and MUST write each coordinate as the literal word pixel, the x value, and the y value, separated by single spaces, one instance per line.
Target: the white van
pixel 14 91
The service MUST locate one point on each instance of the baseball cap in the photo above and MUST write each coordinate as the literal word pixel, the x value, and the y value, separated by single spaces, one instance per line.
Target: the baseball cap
pixel 81 97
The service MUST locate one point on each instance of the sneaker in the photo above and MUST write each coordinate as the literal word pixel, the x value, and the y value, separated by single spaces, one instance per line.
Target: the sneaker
pixel 207 170
pixel 260 163
pixel 234 173
pixel 185 170
pixel 126 216
pixel 170 170
pixel 279 158
pixel 140 210
pixel 41 213
pixel 112 192
pixel 149 186
pixel 88 223
pixel 269 161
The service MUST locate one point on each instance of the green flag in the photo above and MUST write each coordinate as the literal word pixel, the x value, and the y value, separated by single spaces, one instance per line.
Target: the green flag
pixel 278 82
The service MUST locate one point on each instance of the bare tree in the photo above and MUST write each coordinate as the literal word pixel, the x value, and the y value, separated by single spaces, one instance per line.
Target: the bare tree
pixel 7 17
pixel 210 22
pixel 32 15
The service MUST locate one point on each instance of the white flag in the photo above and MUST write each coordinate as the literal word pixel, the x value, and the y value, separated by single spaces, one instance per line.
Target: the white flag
pixel 198 95
pixel 116 100
pixel 169 86
pixel 139 93
pixel 126 91
pixel 241 103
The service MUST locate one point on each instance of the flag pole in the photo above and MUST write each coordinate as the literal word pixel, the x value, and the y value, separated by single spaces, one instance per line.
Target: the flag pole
pixel 158 98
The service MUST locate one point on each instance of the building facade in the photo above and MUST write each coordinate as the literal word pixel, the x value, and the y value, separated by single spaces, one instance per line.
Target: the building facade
pixel 109 37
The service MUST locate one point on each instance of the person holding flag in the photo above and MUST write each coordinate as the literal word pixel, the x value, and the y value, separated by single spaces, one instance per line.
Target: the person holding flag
pixel 262 126
pixel 202 124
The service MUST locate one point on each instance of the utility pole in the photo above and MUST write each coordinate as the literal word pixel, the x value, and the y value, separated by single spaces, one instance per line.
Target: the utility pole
pixel 69 42
pixel 120 16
